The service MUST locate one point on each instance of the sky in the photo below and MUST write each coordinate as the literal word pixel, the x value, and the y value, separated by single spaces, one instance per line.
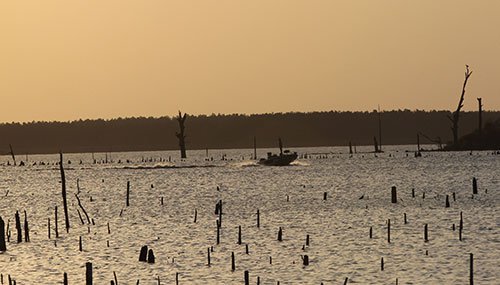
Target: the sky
pixel 66 60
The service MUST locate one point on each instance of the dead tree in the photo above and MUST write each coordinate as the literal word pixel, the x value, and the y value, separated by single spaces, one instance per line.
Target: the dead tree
pixel 12 154
pixel 480 128
pixel 456 115
pixel 180 135
pixel 63 183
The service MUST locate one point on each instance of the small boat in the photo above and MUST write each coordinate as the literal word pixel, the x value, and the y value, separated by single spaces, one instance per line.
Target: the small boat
pixel 282 159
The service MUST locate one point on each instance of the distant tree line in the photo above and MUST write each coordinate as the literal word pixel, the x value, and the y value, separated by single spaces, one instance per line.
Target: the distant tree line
pixel 234 131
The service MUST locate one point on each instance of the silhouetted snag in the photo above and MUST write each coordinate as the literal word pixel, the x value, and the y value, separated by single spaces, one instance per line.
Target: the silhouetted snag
pixel 26 228
pixel 239 234
pixel 346 279
pixel 143 254
pixel 375 144
pixel 180 135
pixel 65 278
pixel 128 194
pixel 233 267
pixel 426 234
pixel 80 245
pixel 12 154
pixel 460 227
pixel 474 185
pixel 247 278
pixel 55 219
pixel 195 215
pixel 208 256
pixel 456 115
pixel 389 230
pixel 88 273
pixel 63 182
pixel 3 246
pixel 305 260
pixel 218 231
pixel 394 195
pixel 480 119
pixel 255 148
pixel 471 278
pixel 379 129
pixel 151 256
pixel 18 228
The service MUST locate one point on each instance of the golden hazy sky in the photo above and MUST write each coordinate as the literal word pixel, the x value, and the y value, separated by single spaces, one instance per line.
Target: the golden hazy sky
pixel 70 59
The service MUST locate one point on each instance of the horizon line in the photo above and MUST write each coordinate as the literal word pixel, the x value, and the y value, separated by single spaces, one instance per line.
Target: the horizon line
pixel 230 114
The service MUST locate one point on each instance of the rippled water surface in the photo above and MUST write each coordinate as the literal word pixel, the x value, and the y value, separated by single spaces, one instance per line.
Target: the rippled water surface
pixel 358 197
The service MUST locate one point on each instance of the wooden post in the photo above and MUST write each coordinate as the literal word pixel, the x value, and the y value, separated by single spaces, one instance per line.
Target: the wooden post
pixel 471 269
pixel 350 147
pixel 346 279
pixel 63 182
pixel 80 246
pixel 447 204
pixel 280 234
pixel 258 218
pixel 371 232
pixel 394 195
pixel 65 278
pixel 405 219
pixel 128 193
pixel 176 278
pixel 413 192
pixel 88 273
pixel 195 215
pixel 307 240
pixel 324 196
pixel 18 228
pixel 474 185
pixel 3 246
pixel 382 264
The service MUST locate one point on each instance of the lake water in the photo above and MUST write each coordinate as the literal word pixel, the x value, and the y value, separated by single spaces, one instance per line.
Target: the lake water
pixel 287 197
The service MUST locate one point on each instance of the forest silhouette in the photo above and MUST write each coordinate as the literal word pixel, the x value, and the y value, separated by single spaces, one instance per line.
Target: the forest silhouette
pixel 218 131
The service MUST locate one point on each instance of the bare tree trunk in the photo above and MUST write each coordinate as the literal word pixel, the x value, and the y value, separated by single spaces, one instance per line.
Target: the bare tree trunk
pixel 180 135
pixel 63 182
pixel 480 128
pixel 456 114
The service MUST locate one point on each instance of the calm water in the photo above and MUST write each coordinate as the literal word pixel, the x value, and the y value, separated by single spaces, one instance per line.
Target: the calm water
pixel 338 227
